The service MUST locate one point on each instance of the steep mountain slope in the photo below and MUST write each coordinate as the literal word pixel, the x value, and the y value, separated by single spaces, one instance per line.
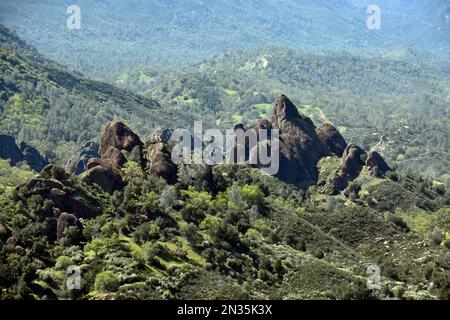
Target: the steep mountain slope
pixel 155 32
pixel 55 110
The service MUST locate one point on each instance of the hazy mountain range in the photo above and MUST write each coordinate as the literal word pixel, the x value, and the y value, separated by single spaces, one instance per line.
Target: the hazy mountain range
pixel 117 34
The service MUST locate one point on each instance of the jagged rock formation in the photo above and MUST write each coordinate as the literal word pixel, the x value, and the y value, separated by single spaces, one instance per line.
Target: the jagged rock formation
pixel 9 149
pixel 117 138
pixel 24 152
pixel 376 164
pixel 77 164
pixel 32 157
pixel 159 163
pixel 117 142
pixel 331 137
pixel 300 146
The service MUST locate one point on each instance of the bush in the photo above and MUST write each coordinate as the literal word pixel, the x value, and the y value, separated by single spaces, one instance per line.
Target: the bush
pixel 436 236
pixel 106 281
pixel 319 254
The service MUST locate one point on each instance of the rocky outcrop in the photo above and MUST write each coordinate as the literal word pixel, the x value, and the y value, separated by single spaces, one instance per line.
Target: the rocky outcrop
pixel 63 199
pixel 353 160
pixel 32 157
pixel 331 137
pixel 114 157
pixel 119 136
pixel 9 149
pixel 376 164
pixel 300 146
pixel 104 175
pixel 24 152
pixel 77 164
pixel 117 141
pixel 159 163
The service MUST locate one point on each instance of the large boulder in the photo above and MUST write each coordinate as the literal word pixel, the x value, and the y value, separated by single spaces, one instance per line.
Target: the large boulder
pixel 32 157
pixel 118 135
pixel 352 162
pixel 376 164
pixel 77 164
pixel 331 137
pixel 9 149
pixel 104 175
pixel 159 163
pixel 300 146
pixel 114 157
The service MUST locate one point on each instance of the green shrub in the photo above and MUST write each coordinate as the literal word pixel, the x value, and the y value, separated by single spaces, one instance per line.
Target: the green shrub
pixel 106 281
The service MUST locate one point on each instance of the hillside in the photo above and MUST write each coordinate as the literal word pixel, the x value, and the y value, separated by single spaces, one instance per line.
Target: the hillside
pixel 227 232
pixel 116 35
pixel 403 103
pixel 122 221
pixel 55 110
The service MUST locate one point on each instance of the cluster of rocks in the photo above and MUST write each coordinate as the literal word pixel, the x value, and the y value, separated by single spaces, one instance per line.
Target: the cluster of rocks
pixel 352 162
pixel 301 146
pixel 23 152
pixel 67 206
pixel 118 144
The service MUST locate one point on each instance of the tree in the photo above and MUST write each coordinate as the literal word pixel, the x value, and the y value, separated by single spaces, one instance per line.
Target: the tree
pixel 168 198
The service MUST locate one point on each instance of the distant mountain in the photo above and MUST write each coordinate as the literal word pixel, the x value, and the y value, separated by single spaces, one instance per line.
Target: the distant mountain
pixel 116 34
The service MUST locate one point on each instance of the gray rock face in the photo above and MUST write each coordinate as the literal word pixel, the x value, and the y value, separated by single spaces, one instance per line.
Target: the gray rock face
pixel 300 146
pixel 9 149
pixel 32 157
pixel 77 164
